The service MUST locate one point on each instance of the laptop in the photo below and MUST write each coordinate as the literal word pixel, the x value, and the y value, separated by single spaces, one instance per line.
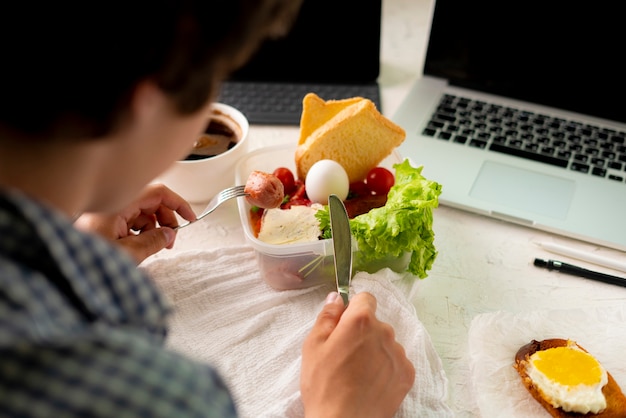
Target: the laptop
pixel 519 114
pixel 333 50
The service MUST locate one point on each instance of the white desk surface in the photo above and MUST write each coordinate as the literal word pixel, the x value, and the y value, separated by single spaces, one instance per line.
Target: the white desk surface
pixel 483 265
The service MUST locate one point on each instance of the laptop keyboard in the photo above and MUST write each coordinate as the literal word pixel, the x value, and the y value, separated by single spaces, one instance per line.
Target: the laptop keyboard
pixel 564 143
pixel 281 103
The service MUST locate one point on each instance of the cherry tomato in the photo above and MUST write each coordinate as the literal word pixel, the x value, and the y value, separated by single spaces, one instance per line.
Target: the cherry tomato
pixel 379 180
pixel 286 177
pixel 299 190
pixel 358 189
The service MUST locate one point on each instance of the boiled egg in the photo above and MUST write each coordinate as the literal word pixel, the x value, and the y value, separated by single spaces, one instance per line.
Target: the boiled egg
pixel 569 378
pixel 324 178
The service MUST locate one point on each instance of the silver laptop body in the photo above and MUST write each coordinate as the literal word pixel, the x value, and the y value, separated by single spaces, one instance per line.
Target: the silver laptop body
pixel 502 173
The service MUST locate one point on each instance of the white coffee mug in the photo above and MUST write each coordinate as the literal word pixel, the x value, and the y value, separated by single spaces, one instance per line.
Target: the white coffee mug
pixel 198 180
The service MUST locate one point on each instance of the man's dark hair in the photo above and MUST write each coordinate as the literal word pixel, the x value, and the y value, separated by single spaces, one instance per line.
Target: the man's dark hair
pixel 68 68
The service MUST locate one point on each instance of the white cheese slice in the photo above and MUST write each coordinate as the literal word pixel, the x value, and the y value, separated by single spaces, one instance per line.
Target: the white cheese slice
pixel 290 226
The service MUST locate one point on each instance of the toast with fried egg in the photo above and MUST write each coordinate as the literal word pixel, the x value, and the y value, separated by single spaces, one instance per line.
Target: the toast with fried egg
pixel 564 378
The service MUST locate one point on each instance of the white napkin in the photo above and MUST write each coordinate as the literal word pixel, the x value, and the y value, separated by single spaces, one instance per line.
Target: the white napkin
pixel 494 338
pixel 227 316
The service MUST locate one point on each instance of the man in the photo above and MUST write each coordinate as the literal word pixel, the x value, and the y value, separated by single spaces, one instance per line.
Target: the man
pixel 97 100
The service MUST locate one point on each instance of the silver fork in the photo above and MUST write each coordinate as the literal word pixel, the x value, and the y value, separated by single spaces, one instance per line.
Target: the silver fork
pixel 218 199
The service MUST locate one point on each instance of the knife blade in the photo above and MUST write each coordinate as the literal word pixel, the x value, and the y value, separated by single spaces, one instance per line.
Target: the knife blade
pixel 342 245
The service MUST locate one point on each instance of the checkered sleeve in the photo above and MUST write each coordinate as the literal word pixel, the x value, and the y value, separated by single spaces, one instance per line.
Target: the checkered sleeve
pixel 107 373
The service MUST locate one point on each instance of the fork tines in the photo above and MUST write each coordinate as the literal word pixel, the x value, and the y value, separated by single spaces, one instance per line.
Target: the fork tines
pixel 232 192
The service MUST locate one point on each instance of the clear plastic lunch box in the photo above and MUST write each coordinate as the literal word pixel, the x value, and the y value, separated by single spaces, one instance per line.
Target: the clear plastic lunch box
pixel 296 266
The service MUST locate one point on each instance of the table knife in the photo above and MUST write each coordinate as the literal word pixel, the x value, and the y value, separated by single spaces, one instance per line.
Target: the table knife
pixel 342 245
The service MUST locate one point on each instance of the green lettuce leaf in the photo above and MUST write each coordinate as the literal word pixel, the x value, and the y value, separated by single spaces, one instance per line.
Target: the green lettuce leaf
pixel 403 225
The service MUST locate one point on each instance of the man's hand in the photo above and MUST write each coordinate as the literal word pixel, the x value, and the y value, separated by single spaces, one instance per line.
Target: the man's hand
pixel 352 365
pixel 145 226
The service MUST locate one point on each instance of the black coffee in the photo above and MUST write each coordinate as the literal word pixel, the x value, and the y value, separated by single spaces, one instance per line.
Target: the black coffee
pixel 221 134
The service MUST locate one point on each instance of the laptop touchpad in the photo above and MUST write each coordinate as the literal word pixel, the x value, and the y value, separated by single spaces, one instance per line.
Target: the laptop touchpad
pixel 523 189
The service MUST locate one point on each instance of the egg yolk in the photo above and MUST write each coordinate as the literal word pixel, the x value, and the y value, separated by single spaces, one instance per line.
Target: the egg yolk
pixel 568 366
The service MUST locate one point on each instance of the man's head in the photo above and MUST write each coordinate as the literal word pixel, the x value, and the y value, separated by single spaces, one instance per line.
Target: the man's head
pixel 97 99
pixel 69 68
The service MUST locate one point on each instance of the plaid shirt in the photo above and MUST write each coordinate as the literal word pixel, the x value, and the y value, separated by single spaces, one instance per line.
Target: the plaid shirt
pixel 82 329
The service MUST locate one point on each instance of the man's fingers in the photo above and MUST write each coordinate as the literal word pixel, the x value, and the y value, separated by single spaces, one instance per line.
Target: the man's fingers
pixel 328 318
pixel 143 245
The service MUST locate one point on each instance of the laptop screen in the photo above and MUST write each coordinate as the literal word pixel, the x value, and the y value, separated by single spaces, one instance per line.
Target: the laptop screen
pixel 332 41
pixel 555 53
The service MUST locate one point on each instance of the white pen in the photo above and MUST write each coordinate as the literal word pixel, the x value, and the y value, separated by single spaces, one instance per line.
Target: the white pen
pixel 583 255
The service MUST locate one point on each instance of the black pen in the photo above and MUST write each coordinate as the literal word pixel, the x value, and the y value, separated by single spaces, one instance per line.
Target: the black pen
pixel 579 271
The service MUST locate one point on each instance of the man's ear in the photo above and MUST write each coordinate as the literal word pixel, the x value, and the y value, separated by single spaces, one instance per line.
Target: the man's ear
pixel 148 102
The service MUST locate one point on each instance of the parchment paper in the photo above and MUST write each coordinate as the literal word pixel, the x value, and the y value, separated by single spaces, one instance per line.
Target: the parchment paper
pixel 494 338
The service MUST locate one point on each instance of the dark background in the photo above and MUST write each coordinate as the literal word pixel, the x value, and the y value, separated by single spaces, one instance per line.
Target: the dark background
pixel 333 41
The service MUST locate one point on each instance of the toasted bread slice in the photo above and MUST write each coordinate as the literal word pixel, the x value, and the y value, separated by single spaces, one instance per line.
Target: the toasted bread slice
pixel 316 112
pixel 615 399
pixel 351 132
